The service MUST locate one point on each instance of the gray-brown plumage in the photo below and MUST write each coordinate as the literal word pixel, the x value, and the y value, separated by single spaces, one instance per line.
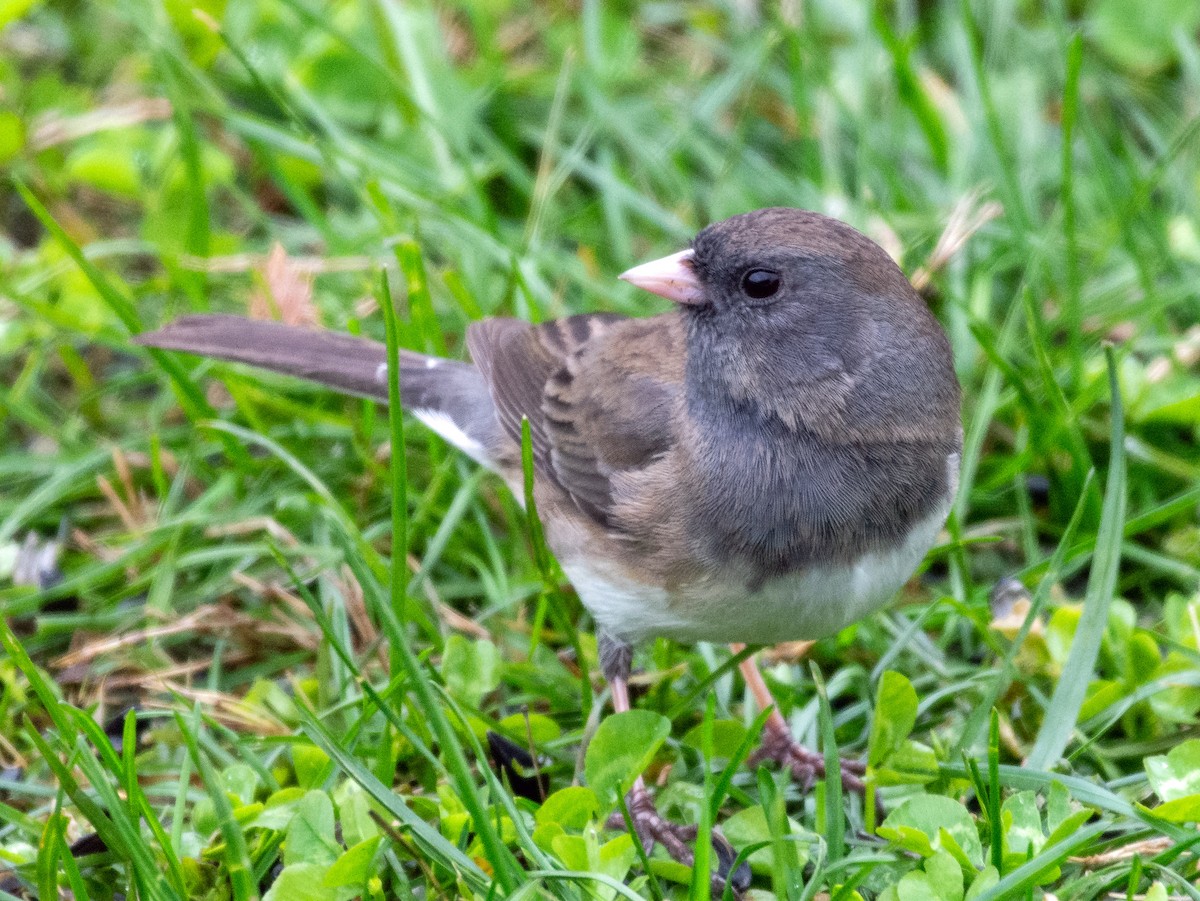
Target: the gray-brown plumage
pixel 768 461
pixel 734 446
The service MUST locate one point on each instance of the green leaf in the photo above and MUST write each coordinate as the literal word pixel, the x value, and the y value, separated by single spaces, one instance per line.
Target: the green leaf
pixel 987 878
pixel 1180 613
pixel 121 306
pixel 572 807
pixel 908 838
pixel 11 10
pixel 895 716
pixel 525 727
pixel 950 844
pixel 622 748
pixel 278 810
pixel 301 881
pixel 354 867
pixel 1142 657
pixel 912 764
pixel 617 856
pixel 1067 827
pixel 204 817
pixel 749 827
pixel 1146 41
pixel 545 834
pixel 1180 810
pixel 236 853
pixel 1177 703
pixel 240 781
pixel 1022 824
pixel 311 764
pixel 572 850
pixel 916 886
pixel 202 42
pixel 726 736
pixel 1060 632
pixel 354 813
pixel 12 130
pixel 1102 694
pixel 106 164
pixel 310 834
pixel 945 876
pixel 1058 806
pixel 585 853
pixel 471 668
pixel 927 815
pixel 1043 866
pixel 671 870
pixel 1177 774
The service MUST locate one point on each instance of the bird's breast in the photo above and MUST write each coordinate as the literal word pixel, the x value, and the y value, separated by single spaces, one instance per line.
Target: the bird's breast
pixel 779 500
pixel 724 604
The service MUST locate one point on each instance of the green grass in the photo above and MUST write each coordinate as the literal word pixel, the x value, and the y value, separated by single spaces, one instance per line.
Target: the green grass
pixel 310 710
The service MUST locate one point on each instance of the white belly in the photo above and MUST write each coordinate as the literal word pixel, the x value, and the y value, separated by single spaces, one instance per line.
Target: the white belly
pixel 808 604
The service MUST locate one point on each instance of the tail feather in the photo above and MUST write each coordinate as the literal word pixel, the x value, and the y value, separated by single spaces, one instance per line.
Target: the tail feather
pixel 450 397
pixel 349 364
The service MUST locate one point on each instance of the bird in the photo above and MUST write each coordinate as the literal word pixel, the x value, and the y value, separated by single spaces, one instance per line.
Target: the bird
pixel 769 460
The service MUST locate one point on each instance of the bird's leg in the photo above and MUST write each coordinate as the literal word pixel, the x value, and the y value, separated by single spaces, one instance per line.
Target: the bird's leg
pixel 778 744
pixel 616 661
pixel 616 658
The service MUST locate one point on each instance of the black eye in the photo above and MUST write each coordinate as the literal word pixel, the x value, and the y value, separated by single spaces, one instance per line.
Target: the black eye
pixel 760 283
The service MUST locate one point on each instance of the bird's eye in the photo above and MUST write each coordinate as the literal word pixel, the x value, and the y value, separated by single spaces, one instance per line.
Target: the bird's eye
pixel 760 283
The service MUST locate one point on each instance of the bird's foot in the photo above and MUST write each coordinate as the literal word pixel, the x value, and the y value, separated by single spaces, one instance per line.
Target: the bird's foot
pixel 806 765
pixel 676 838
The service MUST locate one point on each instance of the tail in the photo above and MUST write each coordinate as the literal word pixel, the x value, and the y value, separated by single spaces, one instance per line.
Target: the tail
pixel 448 396
pixel 351 365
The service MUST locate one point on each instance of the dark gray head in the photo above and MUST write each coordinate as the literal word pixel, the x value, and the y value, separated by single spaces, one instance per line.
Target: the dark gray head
pixel 824 406
pixel 802 316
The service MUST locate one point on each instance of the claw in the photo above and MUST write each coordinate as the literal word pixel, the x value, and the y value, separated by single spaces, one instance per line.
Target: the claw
pixel 676 838
pixel 739 879
pixel 806 765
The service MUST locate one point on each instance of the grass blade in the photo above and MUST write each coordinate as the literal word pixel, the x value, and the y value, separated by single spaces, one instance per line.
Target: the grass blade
pixel 835 817
pixel 1063 710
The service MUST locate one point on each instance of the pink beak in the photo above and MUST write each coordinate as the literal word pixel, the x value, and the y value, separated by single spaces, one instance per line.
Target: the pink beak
pixel 672 277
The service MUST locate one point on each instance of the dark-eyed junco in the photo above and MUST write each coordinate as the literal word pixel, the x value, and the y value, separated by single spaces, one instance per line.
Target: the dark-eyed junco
pixel 769 461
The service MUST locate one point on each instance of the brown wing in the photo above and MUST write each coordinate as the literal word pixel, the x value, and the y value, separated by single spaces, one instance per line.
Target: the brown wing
pixel 600 392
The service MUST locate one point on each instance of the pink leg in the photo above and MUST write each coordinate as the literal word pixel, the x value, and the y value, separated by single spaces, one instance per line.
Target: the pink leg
pixel 651 827
pixel 620 694
pixel 778 744
pixel 758 687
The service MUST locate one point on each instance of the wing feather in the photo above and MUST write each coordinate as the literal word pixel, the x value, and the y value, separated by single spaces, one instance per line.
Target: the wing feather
pixel 600 392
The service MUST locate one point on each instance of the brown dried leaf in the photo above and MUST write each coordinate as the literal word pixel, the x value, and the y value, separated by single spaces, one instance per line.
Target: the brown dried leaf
pixel 289 293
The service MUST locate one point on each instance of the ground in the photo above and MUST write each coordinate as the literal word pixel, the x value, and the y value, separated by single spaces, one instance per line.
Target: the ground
pixel 215 685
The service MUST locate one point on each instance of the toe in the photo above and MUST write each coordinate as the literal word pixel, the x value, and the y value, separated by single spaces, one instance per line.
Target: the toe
pixel 739 877
pixel 856 767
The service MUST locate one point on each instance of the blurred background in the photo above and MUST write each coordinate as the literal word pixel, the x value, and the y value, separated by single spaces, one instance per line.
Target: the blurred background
pixel 195 537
